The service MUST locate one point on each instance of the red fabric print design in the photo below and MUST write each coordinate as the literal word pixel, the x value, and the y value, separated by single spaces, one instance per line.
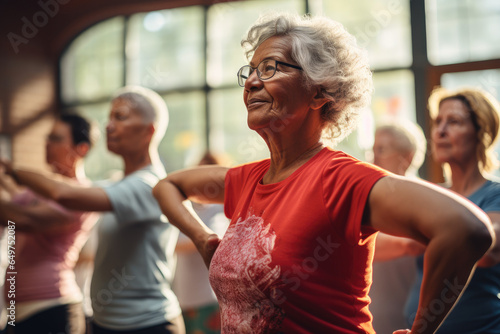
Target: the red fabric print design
pixel 243 278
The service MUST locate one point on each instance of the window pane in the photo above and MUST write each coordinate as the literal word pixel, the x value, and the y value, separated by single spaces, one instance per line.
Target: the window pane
pixel 184 140
pixel 394 95
pixel 393 100
pixel 227 25
pixel 92 66
pixel 361 139
pixel 462 30
pixel 165 49
pixel 380 26
pixel 229 132
pixel 488 80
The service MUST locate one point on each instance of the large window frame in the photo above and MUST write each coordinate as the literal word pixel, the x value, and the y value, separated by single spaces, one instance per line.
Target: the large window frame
pixel 425 77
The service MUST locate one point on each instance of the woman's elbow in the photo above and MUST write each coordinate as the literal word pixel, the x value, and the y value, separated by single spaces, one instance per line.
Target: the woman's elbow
pixel 492 256
pixel 158 189
pixel 481 237
pixel 490 259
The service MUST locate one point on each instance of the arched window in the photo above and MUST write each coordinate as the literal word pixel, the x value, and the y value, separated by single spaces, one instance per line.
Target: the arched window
pixel 190 56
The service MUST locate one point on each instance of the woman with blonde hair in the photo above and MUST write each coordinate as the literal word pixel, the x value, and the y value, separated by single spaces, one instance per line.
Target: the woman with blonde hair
pixel 464 133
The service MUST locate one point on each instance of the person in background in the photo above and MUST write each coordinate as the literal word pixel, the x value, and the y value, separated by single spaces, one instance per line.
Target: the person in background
pixel 48 239
pixel 199 305
pixel 398 148
pixel 464 133
pixel 134 264
pixel 296 257
pixel 83 273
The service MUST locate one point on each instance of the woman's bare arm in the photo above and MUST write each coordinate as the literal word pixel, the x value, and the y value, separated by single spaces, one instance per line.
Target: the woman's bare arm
pixel 456 232
pixel 389 247
pixel 64 192
pixel 204 184
pixel 37 217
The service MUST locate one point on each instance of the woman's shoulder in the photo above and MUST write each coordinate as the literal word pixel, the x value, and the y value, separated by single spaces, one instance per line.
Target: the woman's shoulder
pixel 250 167
pixel 341 161
pixel 488 196
pixel 492 185
pixel 149 175
pixel 337 167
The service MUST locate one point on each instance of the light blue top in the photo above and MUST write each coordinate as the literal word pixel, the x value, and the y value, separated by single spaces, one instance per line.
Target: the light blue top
pixel 478 310
pixel 135 262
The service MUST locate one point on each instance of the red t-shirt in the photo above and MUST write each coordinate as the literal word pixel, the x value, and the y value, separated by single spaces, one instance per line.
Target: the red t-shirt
pixel 295 258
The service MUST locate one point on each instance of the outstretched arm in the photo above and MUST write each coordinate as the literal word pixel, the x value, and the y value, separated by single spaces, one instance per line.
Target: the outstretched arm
pixel 69 195
pixel 389 247
pixel 7 185
pixel 456 232
pixel 204 184
pixel 39 216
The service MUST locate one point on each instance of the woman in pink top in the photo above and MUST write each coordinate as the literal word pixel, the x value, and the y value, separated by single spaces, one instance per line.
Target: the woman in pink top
pixel 48 240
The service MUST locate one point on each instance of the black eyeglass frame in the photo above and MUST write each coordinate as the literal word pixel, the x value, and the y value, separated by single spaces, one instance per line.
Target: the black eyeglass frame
pixel 241 83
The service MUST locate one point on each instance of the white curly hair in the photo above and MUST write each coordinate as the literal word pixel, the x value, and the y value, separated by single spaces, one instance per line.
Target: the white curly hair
pixel 330 59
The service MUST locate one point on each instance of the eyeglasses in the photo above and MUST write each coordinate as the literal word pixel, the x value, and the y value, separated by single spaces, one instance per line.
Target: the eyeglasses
pixel 265 70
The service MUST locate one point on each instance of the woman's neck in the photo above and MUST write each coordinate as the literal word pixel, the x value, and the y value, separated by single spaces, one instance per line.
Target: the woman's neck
pixel 293 146
pixel 288 159
pixel 134 162
pixel 465 180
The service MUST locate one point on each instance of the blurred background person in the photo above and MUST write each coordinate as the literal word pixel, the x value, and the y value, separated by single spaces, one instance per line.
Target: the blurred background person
pixel 134 264
pixel 83 272
pixel 199 305
pixel 399 148
pixel 464 132
pixel 48 239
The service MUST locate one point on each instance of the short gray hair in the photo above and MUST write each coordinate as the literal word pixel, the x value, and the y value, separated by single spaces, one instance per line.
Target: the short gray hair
pixel 330 59
pixel 149 104
pixel 409 138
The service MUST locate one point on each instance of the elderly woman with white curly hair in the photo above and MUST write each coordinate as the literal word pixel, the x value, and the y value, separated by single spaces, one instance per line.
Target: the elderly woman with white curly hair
pixel 297 255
